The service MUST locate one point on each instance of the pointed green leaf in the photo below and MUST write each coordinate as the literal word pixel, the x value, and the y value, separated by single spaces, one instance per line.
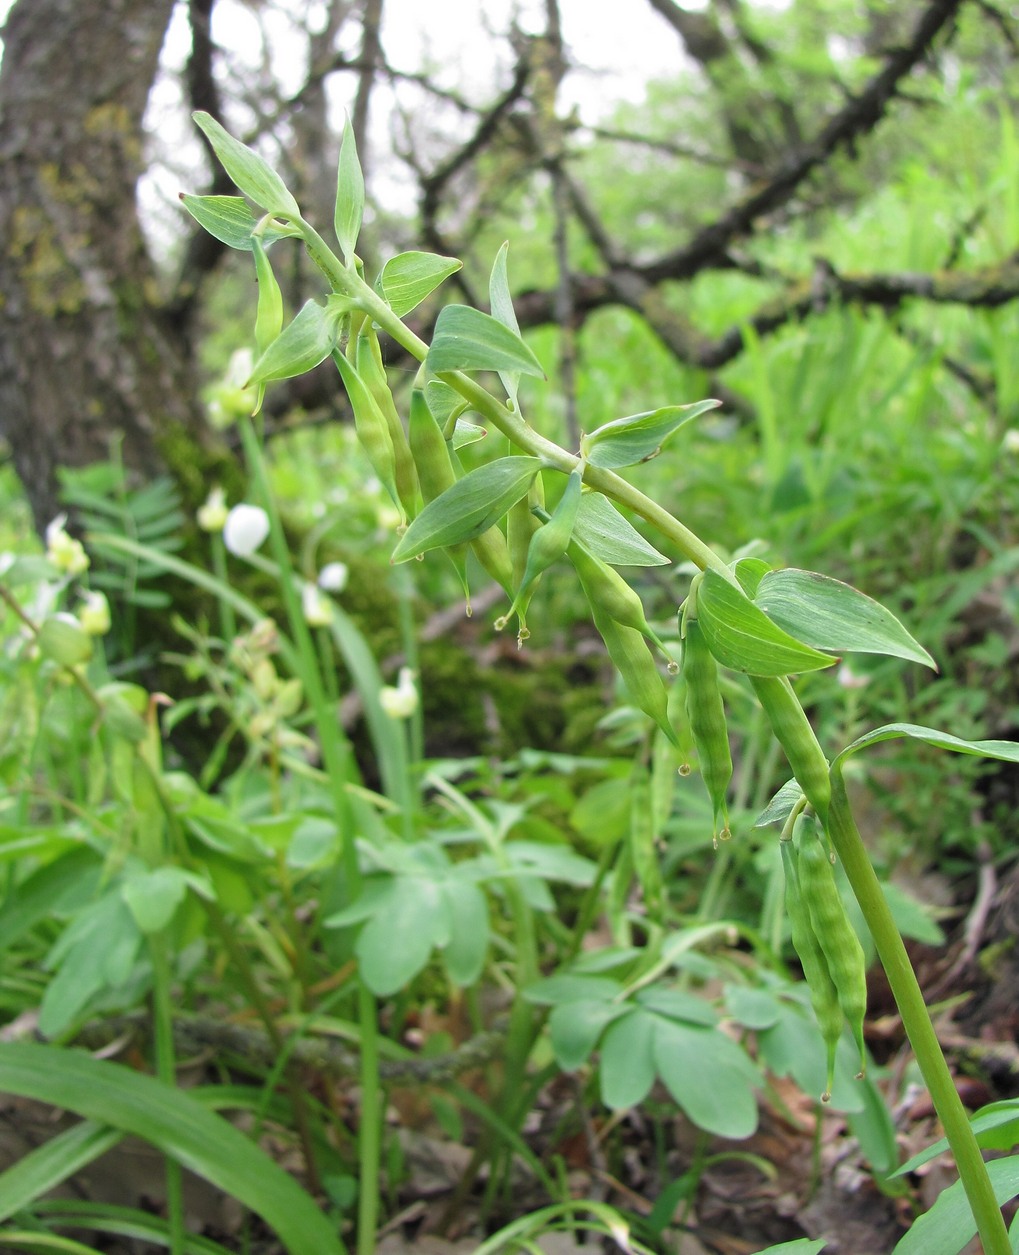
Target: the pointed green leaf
pixel 465 433
pixel 828 614
pixel 177 1124
pixel 230 220
pixel 502 311
pixel 1005 751
pixel 444 402
pixel 469 507
pixel 252 173
pixel 743 638
pixel 50 1164
pixel 603 532
pixel 750 572
pixel 408 278
pixel 349 195
pixel 949 1224
pixel 467 339
pixel 305 342
pixel 638 438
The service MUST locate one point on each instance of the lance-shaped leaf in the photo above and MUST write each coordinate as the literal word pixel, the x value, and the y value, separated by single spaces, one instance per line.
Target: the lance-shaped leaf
pixel 548 545
pixel 469 507
pixel 828 614
pixel 252 173
pixel 445 403
pixel 627 441
pixel 1006 751
pixel 307 340
pixel 349 194
pixel 467 339
pixel 408 278
pixel 743 638
pixel 502 311
pixel 603 531
pixel 465 433
pixel 230 220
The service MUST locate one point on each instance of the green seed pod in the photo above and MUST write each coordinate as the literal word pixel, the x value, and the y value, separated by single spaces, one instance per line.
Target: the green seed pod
pixel 835 934
pixel 434 470
pixel 642 837
pixel 607 589
pixel 706 713
pixel 546 546
pixel 373 373
pixel 635 663
pixel 823 994
pixel 372 428
pixel 793 731
pixel 269 311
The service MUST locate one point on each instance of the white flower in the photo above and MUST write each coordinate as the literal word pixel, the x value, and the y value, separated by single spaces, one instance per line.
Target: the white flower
pixel 1010 440
pixel 213 514
pixel 400 702
pixel 333 577
pixel 94 616
pixel 318 611
pixel 66 553
pixel 850 679
pixel 245 528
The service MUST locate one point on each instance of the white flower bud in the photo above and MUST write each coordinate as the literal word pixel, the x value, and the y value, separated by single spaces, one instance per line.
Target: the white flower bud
pixel 333 577
pixel 400 702
pixel 212 515
pixel 318 611
pixel 94 615
pixel 245 528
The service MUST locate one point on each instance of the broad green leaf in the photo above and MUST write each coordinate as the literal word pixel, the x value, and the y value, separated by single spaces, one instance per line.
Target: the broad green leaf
pixel 828 614
pixel 743 638
pixel 467 907
pixel 552 862
pixel 305 342
pixel 709 1076
pixel 626 1070
pixel 502 311
pixel 874 1130
pixel 349 195
pixel 676 1005
pixel 46 892
pixel 153 896
pixel 467 339
pixel 408 278
pixel 638 438
pixel 949 1225
pixel 750 572
pixel 1005 751
pixel 177 1124
pixel 603 532
pixel 46 1167
pixel 566 987
pixel 230 220
pixel 252 173
pixel 574 1029
pixel 753 1008
pixel 394 946
pixel 468 507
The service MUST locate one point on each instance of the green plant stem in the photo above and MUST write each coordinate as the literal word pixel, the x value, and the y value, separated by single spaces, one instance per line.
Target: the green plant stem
pixel 845 837
pixel 227 618
pixel 166 1070
pixel 369 1141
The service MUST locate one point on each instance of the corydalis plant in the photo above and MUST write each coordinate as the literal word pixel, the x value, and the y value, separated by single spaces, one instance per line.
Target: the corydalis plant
pixel 767 624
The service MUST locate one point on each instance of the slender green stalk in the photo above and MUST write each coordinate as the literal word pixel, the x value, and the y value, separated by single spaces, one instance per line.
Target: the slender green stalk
pixel 227 618
pixel 369 1141
pixel 916 1020
pixel 166 1070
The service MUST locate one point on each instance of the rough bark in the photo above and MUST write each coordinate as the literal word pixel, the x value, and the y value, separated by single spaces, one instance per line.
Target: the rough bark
pixel 88 354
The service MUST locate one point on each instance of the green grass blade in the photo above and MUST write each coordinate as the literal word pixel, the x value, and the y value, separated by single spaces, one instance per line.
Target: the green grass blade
pixel 173 1121
pixel 44 1168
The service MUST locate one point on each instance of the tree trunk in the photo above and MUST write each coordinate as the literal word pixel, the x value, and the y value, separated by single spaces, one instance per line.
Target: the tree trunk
pixel 88 355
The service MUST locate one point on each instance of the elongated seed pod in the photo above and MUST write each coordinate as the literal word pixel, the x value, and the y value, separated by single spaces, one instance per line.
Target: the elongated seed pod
pixel 269 311
pixel 793 732
pixel 706 713
pixel 434 471
pixel 635 663
pixel 605 587
pixel 371 426
pixel 823 994
pixel 373 373
pixel 646 865
pixel 546 546
pixel 835 934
